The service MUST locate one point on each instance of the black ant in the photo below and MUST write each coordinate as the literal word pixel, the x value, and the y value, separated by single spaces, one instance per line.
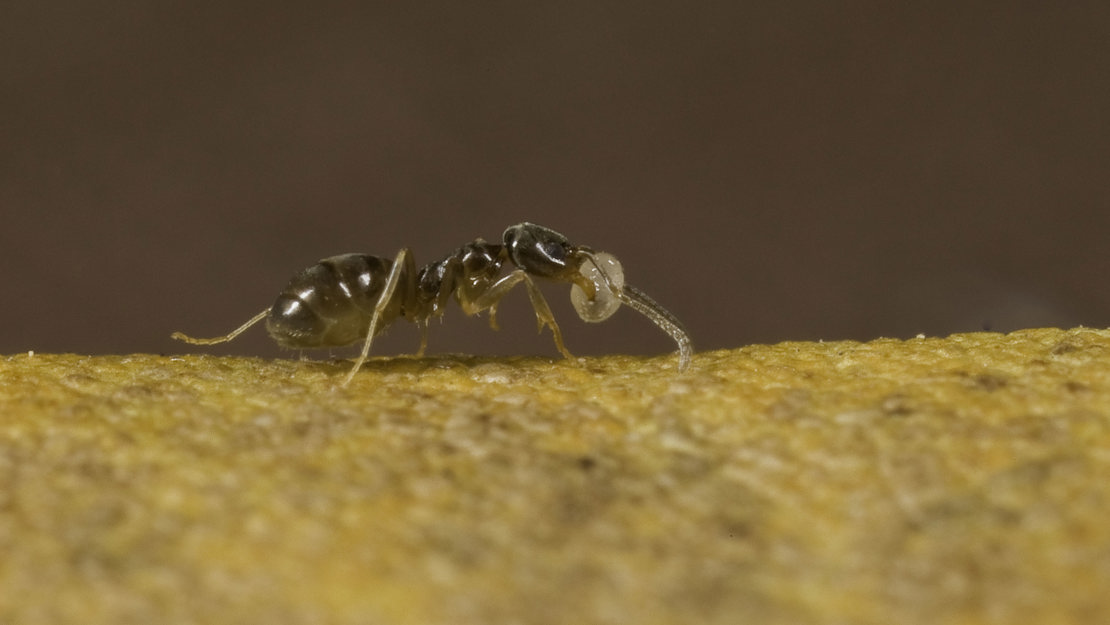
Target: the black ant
pixel 344 299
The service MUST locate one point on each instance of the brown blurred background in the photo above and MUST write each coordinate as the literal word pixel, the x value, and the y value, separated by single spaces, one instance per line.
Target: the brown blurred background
pixel 768 171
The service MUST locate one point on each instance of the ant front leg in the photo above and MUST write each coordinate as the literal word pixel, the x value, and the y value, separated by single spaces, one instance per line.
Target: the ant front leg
pixel 403 270
pixel 492 297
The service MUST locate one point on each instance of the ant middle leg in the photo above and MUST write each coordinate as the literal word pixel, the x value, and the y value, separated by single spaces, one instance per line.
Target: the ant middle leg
pixel 403 270
pixel 423 325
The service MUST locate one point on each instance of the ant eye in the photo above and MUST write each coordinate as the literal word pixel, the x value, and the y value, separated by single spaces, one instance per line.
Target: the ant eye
pixel 555 250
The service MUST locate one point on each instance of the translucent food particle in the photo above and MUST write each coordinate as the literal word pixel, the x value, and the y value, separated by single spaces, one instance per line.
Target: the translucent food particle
pixel 605 302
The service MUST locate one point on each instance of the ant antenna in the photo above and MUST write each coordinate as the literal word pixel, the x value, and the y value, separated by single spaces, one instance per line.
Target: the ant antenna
pixel 637 300
pixel 641 303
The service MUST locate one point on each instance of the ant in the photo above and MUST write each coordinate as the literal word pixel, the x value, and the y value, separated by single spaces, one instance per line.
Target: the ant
pixel 344 299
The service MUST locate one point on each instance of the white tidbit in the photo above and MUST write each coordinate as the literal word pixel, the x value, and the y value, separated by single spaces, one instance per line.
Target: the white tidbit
pixel 605 271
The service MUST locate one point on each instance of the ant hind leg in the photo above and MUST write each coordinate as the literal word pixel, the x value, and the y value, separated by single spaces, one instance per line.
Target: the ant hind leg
pixel 402 268
pixel 181 336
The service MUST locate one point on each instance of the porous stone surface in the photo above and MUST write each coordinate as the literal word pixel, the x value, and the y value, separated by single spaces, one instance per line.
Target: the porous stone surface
pixel 935 480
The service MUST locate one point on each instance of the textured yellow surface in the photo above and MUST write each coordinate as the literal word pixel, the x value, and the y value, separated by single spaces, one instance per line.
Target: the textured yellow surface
pixel 955 480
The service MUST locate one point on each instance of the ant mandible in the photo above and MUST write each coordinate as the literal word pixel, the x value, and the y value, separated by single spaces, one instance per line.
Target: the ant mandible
pixel 343 299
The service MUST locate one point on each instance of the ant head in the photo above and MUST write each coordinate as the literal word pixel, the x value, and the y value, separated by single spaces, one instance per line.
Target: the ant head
pixel 542 252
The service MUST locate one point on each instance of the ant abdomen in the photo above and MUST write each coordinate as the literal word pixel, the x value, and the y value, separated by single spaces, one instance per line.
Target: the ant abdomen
pixel 330 303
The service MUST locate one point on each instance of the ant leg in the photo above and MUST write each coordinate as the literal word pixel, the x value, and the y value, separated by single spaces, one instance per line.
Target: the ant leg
pixel 403 267
pixel 423 338
pixel 491 298
pixel 225 338
pixel 544 316
pixel 493 316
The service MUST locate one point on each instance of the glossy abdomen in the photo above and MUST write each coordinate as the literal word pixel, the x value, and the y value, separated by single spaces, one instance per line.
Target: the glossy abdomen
pixel 330 303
